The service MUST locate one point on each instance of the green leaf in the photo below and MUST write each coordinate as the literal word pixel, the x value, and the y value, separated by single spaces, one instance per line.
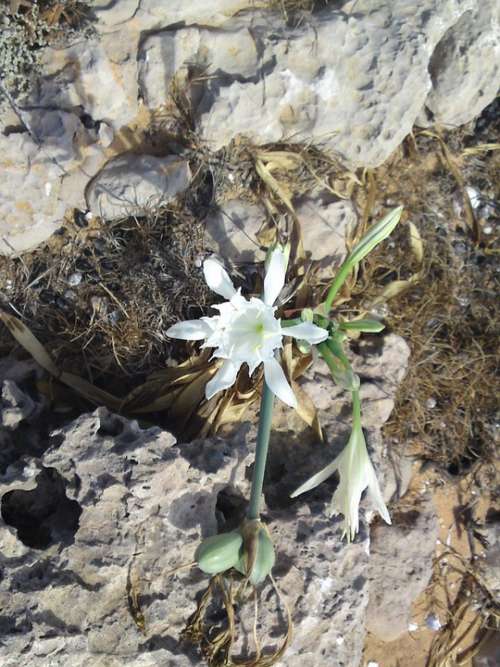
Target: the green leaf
pixel 340 368
pixel 366 326
pixel 375 235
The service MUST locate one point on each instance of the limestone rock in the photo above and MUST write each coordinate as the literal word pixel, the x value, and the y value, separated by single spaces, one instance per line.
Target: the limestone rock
pixel 490 565
pixel 400 568
pixel 110 505
pixel 15 405
pixel 133 184
pixel 231 52
pixel 465 67
pixel 141 15
pixel 325 226
pixel 38 169
pixel 360 98
pixel 232 230
pixel 98 76
pixel 145 504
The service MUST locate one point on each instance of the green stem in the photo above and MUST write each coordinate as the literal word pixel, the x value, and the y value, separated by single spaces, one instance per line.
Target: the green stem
pixel 331 360
pixel 356 409
pixel 339 280
pixel 265 422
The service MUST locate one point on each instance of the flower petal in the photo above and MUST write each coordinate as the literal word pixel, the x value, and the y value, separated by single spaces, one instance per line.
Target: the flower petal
pixel 224 378
pixel 316 479
pixel 306 331
pixel 277 382
pixel 376 497
pixel 217 278
pixel 190 330
pixel 275 277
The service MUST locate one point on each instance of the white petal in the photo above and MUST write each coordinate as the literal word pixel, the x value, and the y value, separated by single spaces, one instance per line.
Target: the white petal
pixel 275 277
pixel 277 382
pixel 306 331
pixel 376 496
pixel 217 278
pixel 190 330
pixel 224 378
pixel 316 479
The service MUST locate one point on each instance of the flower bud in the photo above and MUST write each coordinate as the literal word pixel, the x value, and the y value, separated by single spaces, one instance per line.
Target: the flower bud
pixel 219 553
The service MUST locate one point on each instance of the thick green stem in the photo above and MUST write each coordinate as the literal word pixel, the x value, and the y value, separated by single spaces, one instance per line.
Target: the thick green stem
pixel 263 435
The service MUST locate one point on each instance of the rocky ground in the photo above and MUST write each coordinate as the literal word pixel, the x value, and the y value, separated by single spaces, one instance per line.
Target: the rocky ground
pixel 136 137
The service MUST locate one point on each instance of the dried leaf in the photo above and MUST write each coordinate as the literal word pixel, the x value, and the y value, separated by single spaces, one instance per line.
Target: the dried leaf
pixel 273 185
pixel 32 345
pixel 307 410
pixel 396 287
pixel 416 243
pixel 280 160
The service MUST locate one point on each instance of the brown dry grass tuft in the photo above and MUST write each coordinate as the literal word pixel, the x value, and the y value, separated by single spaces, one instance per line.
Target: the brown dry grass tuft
pixel 101 296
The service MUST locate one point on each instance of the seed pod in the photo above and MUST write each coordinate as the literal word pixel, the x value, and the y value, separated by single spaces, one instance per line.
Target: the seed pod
pixel 258 547
pixel 219 553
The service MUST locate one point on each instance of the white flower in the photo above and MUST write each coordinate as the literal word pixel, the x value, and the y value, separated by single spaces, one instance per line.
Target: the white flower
pixel 246 331
pixel 356 474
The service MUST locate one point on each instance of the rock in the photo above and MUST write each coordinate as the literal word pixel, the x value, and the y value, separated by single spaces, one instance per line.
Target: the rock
pixel 21 432
pixel 98 76
pixel 15 405
pixel 232 230
pixel 111 507
pixel 489 566
pixel 38 176
pixel 133 184
pixel 165 54
pixel 399 570
pixel 149 14
pixel 325 227
pixel 465 68
pixel 360 98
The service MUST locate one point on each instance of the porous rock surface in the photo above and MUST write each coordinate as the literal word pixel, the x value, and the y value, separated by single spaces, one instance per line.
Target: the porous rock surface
pixel 400 567
pixel 353 77
pixel 109 508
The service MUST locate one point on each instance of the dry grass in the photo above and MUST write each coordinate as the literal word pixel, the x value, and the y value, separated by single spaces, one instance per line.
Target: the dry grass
pixel 101 296
pixel 445 409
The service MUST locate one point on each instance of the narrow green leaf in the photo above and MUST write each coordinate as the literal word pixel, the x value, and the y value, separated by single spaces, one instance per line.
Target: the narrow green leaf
pixel 375 235
pixel 366 326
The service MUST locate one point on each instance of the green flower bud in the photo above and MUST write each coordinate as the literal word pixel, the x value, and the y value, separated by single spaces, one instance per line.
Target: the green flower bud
pixel 219 553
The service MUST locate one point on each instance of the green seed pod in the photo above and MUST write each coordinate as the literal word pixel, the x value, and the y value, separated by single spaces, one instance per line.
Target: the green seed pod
pixel 219 553
pixel 264 556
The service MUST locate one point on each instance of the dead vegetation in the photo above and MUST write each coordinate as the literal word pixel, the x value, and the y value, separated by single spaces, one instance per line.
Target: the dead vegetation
pixel 100 297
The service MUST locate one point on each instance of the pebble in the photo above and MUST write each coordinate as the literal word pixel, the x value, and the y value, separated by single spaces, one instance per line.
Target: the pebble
pixel 75 279
pixel 433 622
